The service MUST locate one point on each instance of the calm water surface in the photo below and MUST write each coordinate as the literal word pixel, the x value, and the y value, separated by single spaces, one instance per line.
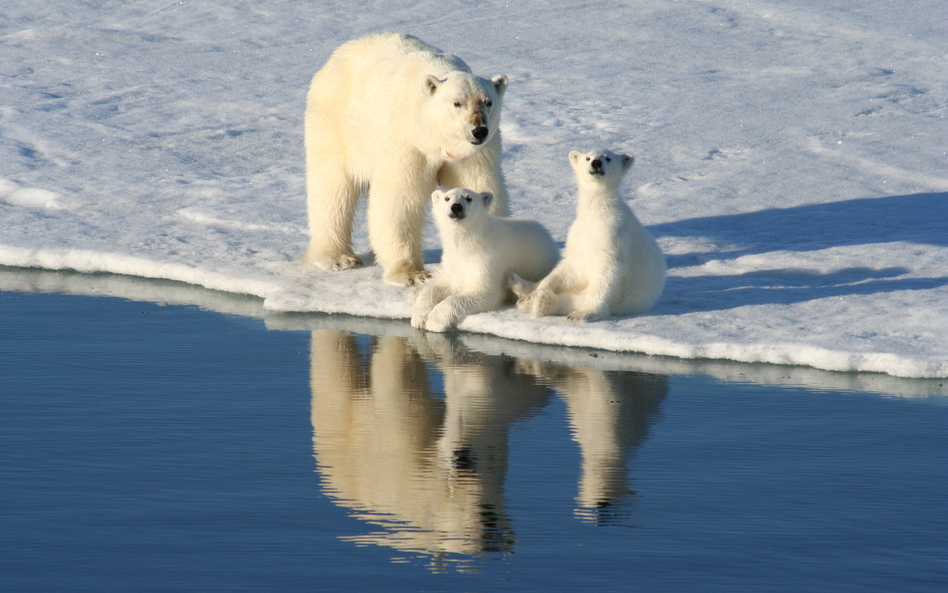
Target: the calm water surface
pixel 205 445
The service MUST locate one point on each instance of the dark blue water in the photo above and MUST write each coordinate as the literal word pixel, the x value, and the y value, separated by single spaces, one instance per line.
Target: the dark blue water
pixel 171 448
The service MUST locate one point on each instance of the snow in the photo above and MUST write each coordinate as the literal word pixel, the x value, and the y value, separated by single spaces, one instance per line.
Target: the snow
pixel 790 158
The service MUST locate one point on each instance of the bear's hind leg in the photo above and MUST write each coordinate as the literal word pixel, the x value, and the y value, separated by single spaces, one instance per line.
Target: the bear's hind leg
pixel 331 203
pixel 554 295
pixel 546 302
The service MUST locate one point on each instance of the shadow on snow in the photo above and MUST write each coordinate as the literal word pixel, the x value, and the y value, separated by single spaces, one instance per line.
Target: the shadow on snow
pixel 917 218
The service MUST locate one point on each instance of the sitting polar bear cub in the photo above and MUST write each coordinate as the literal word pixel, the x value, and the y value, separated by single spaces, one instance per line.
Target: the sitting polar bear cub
pixel 479 251
pixel 611 265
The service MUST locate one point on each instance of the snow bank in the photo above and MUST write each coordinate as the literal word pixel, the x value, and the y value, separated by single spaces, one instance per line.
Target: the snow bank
pixel 790 158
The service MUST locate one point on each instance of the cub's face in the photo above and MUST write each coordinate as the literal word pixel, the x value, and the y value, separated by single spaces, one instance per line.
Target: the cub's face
pixel 462 112
pixel 600 165
pixel 460 205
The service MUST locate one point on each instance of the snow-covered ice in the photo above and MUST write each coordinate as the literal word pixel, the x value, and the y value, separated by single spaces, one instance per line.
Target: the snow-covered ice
pixel 791 157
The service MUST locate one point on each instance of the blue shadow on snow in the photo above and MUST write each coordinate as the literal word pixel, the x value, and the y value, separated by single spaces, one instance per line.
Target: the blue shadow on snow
pixel 916 218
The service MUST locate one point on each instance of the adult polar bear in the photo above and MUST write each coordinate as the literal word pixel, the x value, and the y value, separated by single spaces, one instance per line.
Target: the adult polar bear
pixel 395 117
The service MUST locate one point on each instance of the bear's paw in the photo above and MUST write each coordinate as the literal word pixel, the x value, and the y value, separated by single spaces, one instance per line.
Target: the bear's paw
pixel 521 288
pixel 345 261
pixel 406 277
pixel 331 261
pixel 440 319
pixel 582 316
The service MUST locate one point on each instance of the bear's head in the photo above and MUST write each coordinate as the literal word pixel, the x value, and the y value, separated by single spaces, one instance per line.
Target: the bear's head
pixel 460 205
pixel 461 112
pixel 600 166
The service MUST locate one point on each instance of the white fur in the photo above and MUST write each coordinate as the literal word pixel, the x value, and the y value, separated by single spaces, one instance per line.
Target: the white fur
pixel 394 117
pixel 611 264
pixel 479 251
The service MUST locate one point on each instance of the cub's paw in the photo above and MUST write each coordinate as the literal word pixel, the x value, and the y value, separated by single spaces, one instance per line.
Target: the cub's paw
pixel 582 316
pixel 439 320
pixel 525 303
pixel 436 325
pixel 543 303
pixel 520 287
pixel 418 320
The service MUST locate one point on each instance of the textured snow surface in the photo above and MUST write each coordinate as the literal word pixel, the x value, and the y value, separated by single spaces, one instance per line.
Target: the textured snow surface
pixel 790 158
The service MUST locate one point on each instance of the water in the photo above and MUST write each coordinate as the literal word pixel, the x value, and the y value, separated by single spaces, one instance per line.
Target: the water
pixel 202 444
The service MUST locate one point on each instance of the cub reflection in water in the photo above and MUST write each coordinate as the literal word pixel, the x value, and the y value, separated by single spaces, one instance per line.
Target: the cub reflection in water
pixel 429 468
pixel 610 413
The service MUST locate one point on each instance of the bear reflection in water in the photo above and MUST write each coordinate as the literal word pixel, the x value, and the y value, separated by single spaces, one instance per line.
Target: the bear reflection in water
pixel 610 413
pixel 429 468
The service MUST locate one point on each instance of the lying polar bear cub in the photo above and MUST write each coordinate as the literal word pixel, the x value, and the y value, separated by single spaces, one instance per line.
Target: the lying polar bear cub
pixel 479 251
pixel 611 264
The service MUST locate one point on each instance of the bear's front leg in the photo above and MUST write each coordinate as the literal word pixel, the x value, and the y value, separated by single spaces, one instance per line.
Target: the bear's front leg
pixel 426 297
pixel 396 220
pixel 452 311
pixel 331 203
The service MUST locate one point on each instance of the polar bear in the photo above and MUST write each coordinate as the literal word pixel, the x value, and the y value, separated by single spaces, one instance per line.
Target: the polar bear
pixel 393 117
pixel 611 264
pixel 479 251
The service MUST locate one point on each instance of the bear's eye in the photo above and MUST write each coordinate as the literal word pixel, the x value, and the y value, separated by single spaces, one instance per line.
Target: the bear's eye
pixel 468 199
pixel 457 104
pixel 588 158
pixel 608 159
pixel 447 199
pixel 489 103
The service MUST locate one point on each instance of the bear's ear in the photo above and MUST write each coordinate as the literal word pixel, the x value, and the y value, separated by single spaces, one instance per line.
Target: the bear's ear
pixel 436 195
pixel 574 156
pixel 431 84
pixel 500 84
pixel 627 160
pixel 488 198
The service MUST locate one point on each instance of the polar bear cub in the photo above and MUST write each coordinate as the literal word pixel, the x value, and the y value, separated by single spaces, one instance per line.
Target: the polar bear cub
pixel 611 264
pixel 479 251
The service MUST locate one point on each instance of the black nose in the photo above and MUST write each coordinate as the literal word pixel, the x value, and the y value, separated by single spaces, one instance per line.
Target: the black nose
pixel 457 208
pixel 480 133
pixel 596 164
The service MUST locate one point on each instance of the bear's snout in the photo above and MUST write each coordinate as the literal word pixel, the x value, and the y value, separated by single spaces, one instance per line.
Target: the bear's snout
pixel 480 134
pixel 596 167
pixel 457 211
